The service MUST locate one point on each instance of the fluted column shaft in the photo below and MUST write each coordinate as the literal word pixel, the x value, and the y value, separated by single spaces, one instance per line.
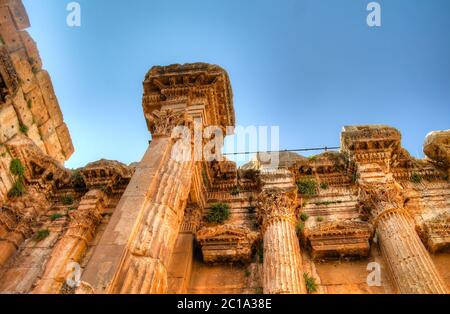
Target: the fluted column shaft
pixel 411 266
pixel 15 227
pixel 74 243
pixel 143 269
pixel 282 261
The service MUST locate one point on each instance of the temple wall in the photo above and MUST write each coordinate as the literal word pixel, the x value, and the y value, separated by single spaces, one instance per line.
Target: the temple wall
pixel 442 262
pixel 28 104
pixel 225 278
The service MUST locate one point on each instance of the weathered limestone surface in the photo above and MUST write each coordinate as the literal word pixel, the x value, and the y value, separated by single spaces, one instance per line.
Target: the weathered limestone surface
pixel 28 104
pixel 167 103
pixel 72 246
pixel 143 228
pixel 106 258
pixel 373 149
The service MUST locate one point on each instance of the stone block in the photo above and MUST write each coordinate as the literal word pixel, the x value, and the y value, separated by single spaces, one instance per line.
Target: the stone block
pixel 64 139
pixel 50 99
pixel 9 123
pixel 38 108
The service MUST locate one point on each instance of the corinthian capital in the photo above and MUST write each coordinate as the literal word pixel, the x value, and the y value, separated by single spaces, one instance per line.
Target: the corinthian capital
pixel 381 197
pixel 162 123
pixel 277 204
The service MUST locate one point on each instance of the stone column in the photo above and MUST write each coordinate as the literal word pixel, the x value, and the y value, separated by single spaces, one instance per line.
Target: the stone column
pixel 411 266
pixel 12 233
pixel 73 245
pixel 144 266
pixel 17 218
pixel 282 261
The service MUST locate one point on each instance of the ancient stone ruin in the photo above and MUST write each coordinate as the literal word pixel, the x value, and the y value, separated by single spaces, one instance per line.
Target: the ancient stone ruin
pixel 368 218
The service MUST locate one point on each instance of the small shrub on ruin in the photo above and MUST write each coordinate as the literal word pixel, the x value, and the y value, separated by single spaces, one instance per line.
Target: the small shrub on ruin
pixel 260 252
pixel 42 234
pixel 56 216
pixel 300 227
pixel 324 186
pixel 307 187
pixel 247 272
pixel 17 190
pixel 205 177
pixel 319 219
pixel 67 199
pixel 304 216
pixel 218 213
pixel 310 282
pixel 29 103
pixel 416 178
pixel 23 128
pixel 235 190
pixel 16 167
pixel 355 177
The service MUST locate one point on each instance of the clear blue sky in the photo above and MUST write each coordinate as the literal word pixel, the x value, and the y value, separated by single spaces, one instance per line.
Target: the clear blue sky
pixel 309 66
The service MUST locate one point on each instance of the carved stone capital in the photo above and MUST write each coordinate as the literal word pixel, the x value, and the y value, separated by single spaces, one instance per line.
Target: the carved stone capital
pixel 276 205
pixel 162 123
pixel 381 198
pixel 192 219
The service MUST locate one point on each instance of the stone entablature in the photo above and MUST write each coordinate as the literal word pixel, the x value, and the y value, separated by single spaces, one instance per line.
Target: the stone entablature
pixel 191 87
pixel 339 239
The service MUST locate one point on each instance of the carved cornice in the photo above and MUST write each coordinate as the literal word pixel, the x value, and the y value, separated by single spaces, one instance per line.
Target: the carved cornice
pixel 371 143
pixel 105 174
pixel 226 243
pixel 340 238
pixel 437 232
pixel 202 87
pixel 40 168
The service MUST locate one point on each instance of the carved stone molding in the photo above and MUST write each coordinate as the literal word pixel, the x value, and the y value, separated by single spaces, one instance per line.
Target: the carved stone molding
pixel 9 80
pixel 105 174
pixel 336 239
pixel 40 169
pixel 192 219
pixel 226 243
pixel 437 232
